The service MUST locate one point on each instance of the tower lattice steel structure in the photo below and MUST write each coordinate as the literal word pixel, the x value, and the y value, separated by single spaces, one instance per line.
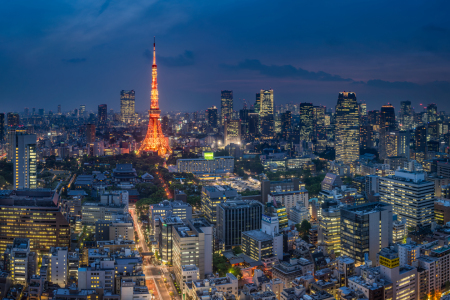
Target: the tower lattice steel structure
pixel 155 140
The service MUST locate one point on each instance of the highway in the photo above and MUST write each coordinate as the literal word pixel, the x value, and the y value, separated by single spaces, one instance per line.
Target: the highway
pixel 152 272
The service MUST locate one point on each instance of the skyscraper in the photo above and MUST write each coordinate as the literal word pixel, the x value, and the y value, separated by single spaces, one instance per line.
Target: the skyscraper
pixel 155 141
pixel 13 119
pixel 232 132
pixel 59 109
pixel 319 122
pixel 253 125
pixel 226 106
pixel 387 124
pixel 212 118
pixel 306 121
pixel 24 161
pixel 127 103
pixel 102 116
pixel 286 124
pixel 90 133
pixel 366 136
pixel 82 110
pixel 411 196
pixel 432 112
pixel 347 128
pixel 421 138
pixel 266 113
pixel 406 114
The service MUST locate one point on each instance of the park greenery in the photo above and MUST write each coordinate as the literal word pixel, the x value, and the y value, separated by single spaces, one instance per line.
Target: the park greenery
pixel 303 229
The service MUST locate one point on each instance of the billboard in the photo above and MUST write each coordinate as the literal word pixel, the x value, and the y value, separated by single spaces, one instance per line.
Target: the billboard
pixel 208 155
pixel 266 219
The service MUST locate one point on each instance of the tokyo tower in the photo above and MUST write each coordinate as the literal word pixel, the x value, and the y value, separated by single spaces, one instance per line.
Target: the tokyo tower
pixel 155 141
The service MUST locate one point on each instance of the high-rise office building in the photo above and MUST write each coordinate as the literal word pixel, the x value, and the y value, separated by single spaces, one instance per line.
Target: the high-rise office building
pixel 421 138
pixel 365 229
pixel 90 133
pixel 19 256
pixel 236 216
pixel 347 128
pixel 432 112
pixel 362 109
pixel 406 114
pixel 82 111
pixel 266 114
pixel 2 127
pixel 319 122
pixel 13 119
pixel 102 116
pixel 286 124
pixel 59 109
pixel 193 245
pixel 58 264
pixel 166 224
pixel 366 136
pixel 24 161
pixel 387 124
pixel 329 231
pixel 26 111
pixel 127 103
pixel 212 196
pixel 253 125
pixel 306 121
pixel 226 106
pixel 411 197
pixel 232 132
pixel 33 214
pixel 212 118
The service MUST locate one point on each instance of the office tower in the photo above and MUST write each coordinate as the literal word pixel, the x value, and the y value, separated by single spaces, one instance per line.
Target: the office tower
pixel 363 109
pixel 234 217
pixel 12 131
pixel 289 199
pixel 286 124
pixel 253 125
pixel 212 196
pixel 232 132
pixel 257 106
pixel 432 112
pixel 193 245
pixel 18 258
pixel 25 161
pixel 13 119
pixel 58 265
pixel 212 118
pixel 2 127
pixel 90 133
pixel 406 114
pixel 155 141
pixel 365 229
pixel 306 121
pixel 266 116
pixel 102 116
pixel 396 143
pixel 33 214
pixel 82 110
pixel 420 142
pixel 366 136
pixel 165 125
pixel 319 122
pixel 387 117
pixel 41 112
pixel 411 197
pixel 165 241
pixel 59 109
pixel 33 111
pixel 127 102
pixel 277 209
pixel 347 128
pixel 287 185
pixel 26 111
pixel 226 106
pixel 329 231
pixel 387 124
pixel 373 117
pixel 434 130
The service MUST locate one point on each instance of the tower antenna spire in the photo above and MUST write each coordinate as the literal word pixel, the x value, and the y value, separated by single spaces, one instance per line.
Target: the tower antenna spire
pixel 154 50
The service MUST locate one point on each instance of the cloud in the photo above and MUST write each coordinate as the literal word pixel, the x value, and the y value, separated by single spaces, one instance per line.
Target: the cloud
pixel 104 6
pixel 392 84
pixel 182 60
pixel 285 71
pixel 74 60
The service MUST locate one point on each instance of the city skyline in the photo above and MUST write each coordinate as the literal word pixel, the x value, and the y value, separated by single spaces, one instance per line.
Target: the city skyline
pixel 61 58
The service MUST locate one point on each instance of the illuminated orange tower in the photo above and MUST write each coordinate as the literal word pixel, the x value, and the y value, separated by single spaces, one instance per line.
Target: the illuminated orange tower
pixel 155 140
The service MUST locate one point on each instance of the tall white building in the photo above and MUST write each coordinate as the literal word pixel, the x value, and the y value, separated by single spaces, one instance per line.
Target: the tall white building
pixel 24 160
pixel 290 199
pixel 411 197
pixel 58 265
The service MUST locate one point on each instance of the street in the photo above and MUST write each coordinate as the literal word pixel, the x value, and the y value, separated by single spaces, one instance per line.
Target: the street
pixel 153 273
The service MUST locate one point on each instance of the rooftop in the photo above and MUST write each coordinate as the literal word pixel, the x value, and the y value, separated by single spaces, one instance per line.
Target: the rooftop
pixel 258 235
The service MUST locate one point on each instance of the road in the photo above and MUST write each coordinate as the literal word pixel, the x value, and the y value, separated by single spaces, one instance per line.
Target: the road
pixel 152 272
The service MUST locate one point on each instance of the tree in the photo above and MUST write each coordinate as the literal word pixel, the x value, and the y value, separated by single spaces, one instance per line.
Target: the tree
pixel 236 271
pixel 220 264
pixel 237 250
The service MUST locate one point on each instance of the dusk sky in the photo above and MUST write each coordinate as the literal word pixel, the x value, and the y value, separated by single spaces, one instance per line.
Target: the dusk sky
pixel 84 52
